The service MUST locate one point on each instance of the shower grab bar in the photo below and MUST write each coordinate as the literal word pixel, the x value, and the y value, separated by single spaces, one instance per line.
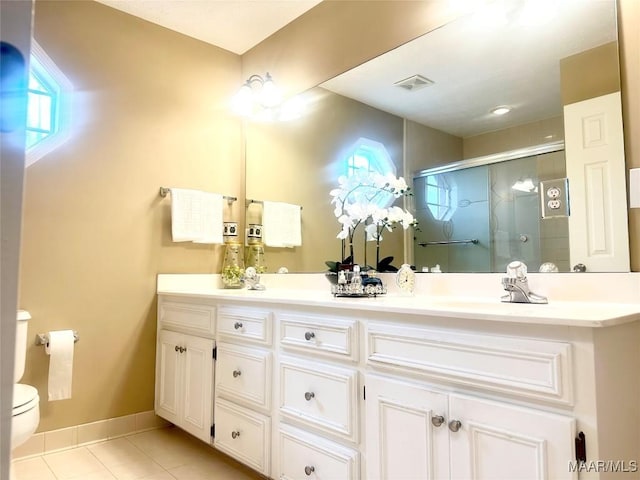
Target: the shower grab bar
pixel 475 241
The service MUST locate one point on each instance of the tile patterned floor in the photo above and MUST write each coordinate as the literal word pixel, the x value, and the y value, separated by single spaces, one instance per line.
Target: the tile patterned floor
pixel 162 454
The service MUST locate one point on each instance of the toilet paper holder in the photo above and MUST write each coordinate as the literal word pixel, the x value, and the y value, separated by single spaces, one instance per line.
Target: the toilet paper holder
pixel 43 338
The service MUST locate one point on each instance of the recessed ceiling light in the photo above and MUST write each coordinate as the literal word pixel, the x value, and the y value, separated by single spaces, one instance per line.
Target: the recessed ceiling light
pixel 500 110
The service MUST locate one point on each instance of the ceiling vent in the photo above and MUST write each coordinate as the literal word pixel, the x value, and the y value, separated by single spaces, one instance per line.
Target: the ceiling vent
pixel 415 82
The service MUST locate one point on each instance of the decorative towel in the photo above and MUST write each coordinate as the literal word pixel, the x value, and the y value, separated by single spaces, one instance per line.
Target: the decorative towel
pixel 211 215
pixel 196 216
pixel 281 224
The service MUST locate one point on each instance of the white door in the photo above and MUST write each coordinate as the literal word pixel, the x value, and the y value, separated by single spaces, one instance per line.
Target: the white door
pixel 15 34
pixel 499 441
pixel 197 358
pixel 403 441
pixel 594 148
pixel 168 376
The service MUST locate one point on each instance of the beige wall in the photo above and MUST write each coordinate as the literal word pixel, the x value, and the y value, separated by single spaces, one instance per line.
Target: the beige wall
pixel 628 21
pixel 299 162
pixel 428 147
pixel 149 111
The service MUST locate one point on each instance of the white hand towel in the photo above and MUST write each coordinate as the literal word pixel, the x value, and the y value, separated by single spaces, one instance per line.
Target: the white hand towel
pixel 281 224
pixel 186 214
pixel 211 216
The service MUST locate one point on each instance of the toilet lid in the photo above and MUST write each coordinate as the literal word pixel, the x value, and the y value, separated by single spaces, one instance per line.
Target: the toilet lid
pixel 25 397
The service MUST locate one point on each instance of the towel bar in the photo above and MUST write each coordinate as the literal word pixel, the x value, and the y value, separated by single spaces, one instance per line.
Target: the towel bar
pixel 43 338
pixel 249 201
pixel 164 191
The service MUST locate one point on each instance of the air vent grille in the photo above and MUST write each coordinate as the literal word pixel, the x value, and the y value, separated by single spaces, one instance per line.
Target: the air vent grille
pixel 415 82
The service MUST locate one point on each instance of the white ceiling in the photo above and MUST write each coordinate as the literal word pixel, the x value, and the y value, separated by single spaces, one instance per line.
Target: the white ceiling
pixel 476 68
pixel 235 25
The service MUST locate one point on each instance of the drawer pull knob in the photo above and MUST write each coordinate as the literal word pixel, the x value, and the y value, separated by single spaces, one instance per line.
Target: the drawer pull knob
pixel 309 335
pixel 177 349
pixel 308 470
pixel 235 434
pixel 309 395
pixel 437 420
pixel 236 373
pixel 454 425
pixel 237 325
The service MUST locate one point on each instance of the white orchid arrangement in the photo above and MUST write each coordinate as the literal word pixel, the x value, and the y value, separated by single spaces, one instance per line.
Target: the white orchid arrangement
pixel 358 200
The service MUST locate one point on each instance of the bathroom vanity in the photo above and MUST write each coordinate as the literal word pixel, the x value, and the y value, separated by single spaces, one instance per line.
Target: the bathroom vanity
pixel 298 384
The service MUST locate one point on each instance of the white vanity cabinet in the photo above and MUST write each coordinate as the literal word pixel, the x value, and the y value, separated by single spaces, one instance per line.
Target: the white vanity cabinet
pixel 244 386
pixel 319 396
pixel 414 431
pixel 433 399
pixel 373 390
pixel 185 365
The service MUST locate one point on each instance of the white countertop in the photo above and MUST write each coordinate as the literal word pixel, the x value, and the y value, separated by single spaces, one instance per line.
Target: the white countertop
pixel 559 313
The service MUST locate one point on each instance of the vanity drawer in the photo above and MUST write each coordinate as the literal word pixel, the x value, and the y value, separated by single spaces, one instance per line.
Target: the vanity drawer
pixel 244 374
pixel 245 324
pixel 303 455
pixel 184 316
pixel 244 435
pixel 527 367
pixel 320 396
pixel 337 338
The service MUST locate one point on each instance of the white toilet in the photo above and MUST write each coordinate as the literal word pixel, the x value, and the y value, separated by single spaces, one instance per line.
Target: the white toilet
pixel 26 411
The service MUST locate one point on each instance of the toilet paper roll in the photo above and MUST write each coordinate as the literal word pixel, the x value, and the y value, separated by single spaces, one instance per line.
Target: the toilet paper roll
pixel 60 350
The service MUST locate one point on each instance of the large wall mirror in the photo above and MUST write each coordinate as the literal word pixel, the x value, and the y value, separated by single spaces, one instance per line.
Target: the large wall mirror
pixel 476 176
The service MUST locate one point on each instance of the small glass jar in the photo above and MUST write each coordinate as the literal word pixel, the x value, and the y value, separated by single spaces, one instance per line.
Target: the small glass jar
pixel 233 266
pixel 255 257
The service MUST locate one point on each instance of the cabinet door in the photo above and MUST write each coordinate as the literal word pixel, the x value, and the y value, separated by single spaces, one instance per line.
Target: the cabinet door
pixel 498 441
pixel 403 439
pixel 168 375
pixel 198 387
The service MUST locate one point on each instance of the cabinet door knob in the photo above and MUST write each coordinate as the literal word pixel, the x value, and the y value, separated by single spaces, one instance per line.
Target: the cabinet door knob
pixel 308 470
pixel 454 425
pixel 309 395
pixel 309 335
pixel 437 420
pixel 183 349
pixel 235 434
pixel 237 325
pixel 236 373
pixel 177 349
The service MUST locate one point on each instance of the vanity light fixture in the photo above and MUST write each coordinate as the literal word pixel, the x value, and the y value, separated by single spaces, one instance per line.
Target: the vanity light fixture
pixel 258 93
pixel 501 110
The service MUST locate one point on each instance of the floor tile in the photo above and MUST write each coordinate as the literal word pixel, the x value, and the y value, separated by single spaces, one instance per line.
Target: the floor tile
pixel 73 463
pixel 31 469
pixel 116 452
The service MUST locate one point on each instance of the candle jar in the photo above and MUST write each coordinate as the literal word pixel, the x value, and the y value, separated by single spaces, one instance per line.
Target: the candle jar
pixel 233 266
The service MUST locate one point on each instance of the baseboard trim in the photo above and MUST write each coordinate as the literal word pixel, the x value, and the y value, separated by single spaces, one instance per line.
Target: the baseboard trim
pixel 88 433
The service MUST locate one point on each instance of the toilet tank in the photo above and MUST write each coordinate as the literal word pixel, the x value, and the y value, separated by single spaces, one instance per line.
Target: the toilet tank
pixel 21 344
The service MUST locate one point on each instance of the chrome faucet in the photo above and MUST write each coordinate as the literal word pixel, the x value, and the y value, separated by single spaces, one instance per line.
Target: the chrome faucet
pixel 516 284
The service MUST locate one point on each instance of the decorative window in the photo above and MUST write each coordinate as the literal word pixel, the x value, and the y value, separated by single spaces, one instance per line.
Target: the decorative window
pixel 366 157
pixel 438 195
pixel 48 106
